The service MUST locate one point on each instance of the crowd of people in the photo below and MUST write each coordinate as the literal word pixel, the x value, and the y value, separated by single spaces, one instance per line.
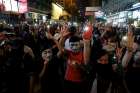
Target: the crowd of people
pixel 65 58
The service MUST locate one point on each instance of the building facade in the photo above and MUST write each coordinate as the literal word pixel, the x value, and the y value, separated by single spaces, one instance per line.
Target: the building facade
pixel 113 6
pixel 44 5
pixel 122 12
pixel 61 2
pixel 38 11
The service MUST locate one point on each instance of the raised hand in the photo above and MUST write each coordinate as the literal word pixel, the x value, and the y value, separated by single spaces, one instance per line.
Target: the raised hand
pixel 119 52
pixel 64 32
pixel 130 40
pixel 87 35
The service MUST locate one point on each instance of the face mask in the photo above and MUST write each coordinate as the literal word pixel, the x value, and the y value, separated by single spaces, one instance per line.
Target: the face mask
pixel 75 46
pixel 47 55
pixel 109 48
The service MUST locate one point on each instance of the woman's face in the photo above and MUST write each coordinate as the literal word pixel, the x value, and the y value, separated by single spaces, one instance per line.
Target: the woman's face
pixel 47 55
pixel 103 59
pixel 110 46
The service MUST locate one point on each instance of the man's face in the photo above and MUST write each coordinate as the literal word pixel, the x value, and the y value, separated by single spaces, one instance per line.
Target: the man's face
pixel 47 55
pixel 75 46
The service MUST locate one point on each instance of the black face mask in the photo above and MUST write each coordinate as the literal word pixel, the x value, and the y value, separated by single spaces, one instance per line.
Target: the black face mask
pixel 103 66
pixel 104 70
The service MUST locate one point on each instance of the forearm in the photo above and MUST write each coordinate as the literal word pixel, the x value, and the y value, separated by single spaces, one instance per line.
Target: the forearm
pixel 43 71
pixel 32 54
pixel 87 50
pixel 31 84
pixel 61 44
pixel 126 59
pixel 57 44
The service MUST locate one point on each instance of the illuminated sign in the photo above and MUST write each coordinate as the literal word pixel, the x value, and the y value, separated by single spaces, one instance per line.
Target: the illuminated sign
pixel 56 11
pixel 19 6
pixel 99 14
pixel 93 9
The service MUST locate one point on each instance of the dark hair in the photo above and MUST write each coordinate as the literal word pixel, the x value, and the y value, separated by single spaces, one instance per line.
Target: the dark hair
pixel 74 39
pixel 44 47
pixel 72 29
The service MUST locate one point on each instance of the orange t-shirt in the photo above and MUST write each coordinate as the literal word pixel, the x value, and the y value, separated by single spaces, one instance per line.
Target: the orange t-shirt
pixel 73 73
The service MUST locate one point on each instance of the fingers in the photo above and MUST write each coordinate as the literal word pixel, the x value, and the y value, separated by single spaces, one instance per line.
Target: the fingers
pixel 130 40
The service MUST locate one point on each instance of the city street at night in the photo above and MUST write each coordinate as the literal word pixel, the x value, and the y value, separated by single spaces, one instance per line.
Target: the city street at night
pixel 69 46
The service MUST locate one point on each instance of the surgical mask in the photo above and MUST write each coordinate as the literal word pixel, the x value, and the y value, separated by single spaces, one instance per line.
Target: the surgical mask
pixel 109 48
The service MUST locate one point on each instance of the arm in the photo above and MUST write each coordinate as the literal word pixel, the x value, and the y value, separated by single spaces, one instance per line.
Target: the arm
pixel 130 49
pixel 29 51
pixel 61 47
pixel 43 71
pixel 87 37
pixel 61 44
pixel 31 84
pixel 87 50
pixel 126 58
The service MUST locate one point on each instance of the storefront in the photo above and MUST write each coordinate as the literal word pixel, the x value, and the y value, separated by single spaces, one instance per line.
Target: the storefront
pixel 118 19
pixel 11 11
pixel 35 17
pixel 135 14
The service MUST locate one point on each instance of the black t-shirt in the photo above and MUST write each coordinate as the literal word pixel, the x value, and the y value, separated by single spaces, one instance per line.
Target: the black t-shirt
pixel 132 77
pixel 51 80
pixel 104 71
pixel 133 73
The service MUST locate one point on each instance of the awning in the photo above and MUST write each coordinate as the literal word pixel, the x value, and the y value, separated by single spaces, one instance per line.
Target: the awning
pixel 31 9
